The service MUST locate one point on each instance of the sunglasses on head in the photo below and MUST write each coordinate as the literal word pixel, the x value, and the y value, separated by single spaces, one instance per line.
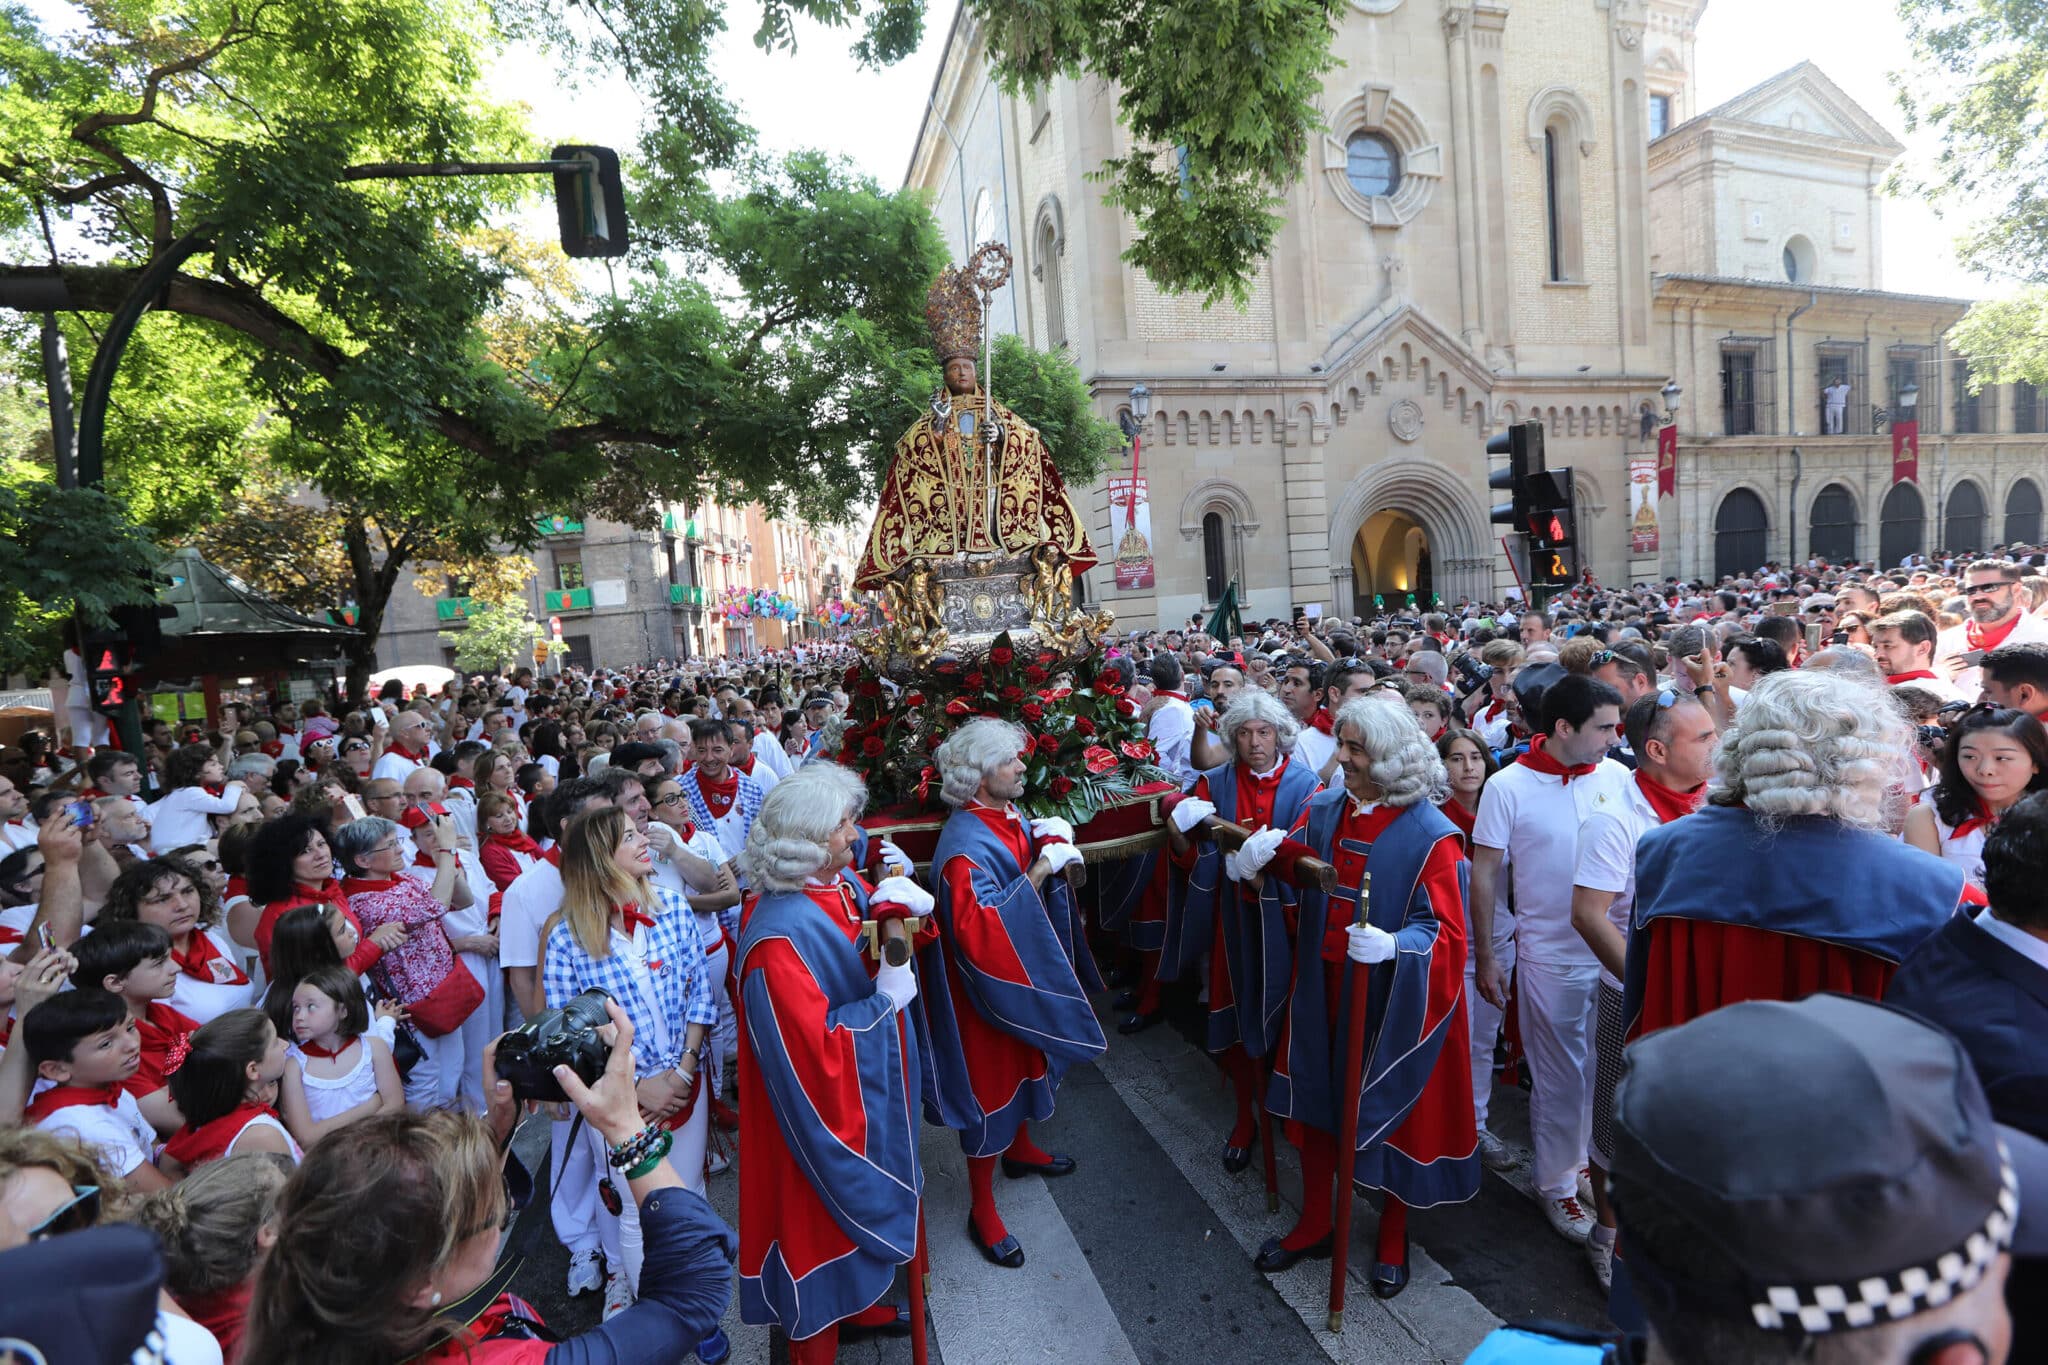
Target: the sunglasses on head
pixel 81 1211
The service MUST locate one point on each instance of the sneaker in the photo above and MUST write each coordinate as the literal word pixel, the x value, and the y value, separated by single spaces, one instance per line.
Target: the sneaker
pixel 586 1272
pixel 716 1162
pixel 1600 1255
pixel 618 1295
pixel 1586 1187
pixel 1494 1154
pixel 1568 1218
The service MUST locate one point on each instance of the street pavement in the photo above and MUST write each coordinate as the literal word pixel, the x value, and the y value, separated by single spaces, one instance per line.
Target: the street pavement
pixel 1144 1253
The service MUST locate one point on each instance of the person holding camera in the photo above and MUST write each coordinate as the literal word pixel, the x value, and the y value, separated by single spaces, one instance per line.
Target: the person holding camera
pixel 621 934
pixel 1993 758
pixel 830 1189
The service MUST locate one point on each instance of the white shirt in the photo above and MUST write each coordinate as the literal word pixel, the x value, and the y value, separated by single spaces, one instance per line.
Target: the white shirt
pixel 1967 852
pixel 1955 641
pixel 1607 857
pixel 1535 817
pixel 526 905
pixel 670 875
pixel 1172 730
pixel 122 1136
pixel 180 817
pixel 768 753
pixel 395 766
pixel 1315 748
pixel 205 1001
pixel 18 835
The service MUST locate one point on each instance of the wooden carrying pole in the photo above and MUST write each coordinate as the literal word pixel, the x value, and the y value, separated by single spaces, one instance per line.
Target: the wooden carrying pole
pixel 1308 872
pixel 1347 1121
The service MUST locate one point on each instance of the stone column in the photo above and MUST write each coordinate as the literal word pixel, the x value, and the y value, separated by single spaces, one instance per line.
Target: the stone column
pixel 1471 286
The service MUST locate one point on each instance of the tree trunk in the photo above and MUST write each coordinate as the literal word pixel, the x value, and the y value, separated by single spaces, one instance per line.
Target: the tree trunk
pixel 374 583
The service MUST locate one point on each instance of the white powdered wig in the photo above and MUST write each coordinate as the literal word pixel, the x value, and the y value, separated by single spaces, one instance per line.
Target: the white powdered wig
pixel 975 750
pixel 1813 742
pixel 788 840
pixel 1405 766
pixel 1252 704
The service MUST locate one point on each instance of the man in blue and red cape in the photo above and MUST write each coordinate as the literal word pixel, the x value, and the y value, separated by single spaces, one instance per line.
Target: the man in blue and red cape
pixel 1416 1139
pixel 1251 963
pixel 831 1074
pixel 1786 883
pixel 1007 1011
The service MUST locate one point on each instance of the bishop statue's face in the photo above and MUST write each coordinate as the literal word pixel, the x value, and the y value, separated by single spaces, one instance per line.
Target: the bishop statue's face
pixel 960 375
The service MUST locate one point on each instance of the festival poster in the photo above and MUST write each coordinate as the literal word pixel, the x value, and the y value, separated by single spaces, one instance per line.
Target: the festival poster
pixel 1642 496
pixel 1130 511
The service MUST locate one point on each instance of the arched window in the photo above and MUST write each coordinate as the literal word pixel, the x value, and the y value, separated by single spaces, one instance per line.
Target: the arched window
pixel 1047 248
pixel 1963 520
pixel 2023 513
pixel 1801 265
pixel 1560 131
pixel 984 221
pixel 1742 530
pixel 1833 523
pixel 1215 557
pixel 1901 524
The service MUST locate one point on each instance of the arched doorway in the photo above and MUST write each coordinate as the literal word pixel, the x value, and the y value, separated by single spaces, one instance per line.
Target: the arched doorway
pixel 2023 513
pixel 1833 536
pixel 1440 503
pixel 1962 530
pixel 1742 533
pixel 1390 560
pixel 1901 525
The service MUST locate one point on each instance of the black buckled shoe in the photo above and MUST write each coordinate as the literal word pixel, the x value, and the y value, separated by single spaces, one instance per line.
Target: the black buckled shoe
pixel 1008 1253
pixel 853 1331
pixel 1388 1280
pixel 1274 1257
pixel 1236 1159
pixel 1137 1023
pixel 1061 1164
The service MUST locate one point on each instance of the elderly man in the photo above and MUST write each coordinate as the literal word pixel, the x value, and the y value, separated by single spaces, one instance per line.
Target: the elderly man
pixel 1398 910
pixel 253 771
pixel 409 747
pixel 1250 962
pixel 828 1048
pixel 1744 899
pixel 1008 1014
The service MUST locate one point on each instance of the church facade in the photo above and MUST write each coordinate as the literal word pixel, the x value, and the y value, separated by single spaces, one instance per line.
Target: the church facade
pixel 1515 212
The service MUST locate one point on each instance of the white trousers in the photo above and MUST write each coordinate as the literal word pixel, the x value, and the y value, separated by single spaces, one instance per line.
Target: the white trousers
pixel 1484 1018
pixel 573 1205
pixel 437 1076
pixel 725 1034
pixel 624 1248
pixel 1559 1010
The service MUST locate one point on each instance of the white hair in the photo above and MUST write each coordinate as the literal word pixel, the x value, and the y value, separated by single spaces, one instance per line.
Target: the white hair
pixel 974 751
pixel 247 764
pixel 1405 766
pixel 788 839
pixel 1254 705
pixel 1812 742
pixel 358 837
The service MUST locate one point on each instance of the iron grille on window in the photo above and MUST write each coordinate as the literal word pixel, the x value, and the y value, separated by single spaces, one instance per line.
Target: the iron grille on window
pixel 1840 362
pixel 1968 411
pixel 1915 364
pixel 2026 408
pixel 1748 394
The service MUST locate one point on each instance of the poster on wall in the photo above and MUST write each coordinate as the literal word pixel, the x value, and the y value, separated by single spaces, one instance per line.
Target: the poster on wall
pixel 1642 496
pixel 1130 521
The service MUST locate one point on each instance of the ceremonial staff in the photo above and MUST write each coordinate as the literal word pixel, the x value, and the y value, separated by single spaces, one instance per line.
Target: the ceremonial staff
pixel 894 927
pixel 1347 1122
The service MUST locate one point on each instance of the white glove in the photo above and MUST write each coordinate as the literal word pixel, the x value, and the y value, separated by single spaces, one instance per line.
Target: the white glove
pixel 896 860
pixel 1257 851
pixel 1052 827
pixel 1368 944
pixel 898 983
pixel 1191 812
pixel 1231 869
pixel 1058 856
pixel 904 892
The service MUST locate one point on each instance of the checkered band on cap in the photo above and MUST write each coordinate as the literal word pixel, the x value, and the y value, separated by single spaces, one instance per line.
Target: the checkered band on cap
pixel 1822 1308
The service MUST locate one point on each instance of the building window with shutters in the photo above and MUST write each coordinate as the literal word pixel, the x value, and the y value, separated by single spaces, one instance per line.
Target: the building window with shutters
pixel 1969 414
pixel 1914 365
pixel 2026 408
pixel 1840 363
pixel 1215 557
pixel 1748 405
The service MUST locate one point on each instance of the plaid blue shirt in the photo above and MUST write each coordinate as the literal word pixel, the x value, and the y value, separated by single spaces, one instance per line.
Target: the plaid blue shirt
pixel 677 978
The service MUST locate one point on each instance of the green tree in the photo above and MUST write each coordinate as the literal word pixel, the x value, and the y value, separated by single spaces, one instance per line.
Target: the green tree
pixel 496 633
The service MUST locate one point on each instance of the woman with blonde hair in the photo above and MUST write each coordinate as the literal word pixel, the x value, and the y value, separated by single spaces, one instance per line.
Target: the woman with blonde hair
pixel 215 1226
pixel 620 933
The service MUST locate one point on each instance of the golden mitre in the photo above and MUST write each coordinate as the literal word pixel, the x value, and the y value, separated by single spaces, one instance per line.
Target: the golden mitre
pixel 953 312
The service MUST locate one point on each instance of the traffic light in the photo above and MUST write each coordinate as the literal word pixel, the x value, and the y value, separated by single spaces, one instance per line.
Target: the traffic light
pixel 107 664
pixel 1553 527
pixel 590 204
pixel 1522 443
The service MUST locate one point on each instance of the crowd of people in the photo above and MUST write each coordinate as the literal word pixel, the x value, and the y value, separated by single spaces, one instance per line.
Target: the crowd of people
pixel 1404 861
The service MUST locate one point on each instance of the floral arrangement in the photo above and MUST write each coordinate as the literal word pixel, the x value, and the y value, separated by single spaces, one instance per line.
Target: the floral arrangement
pixel 1088 745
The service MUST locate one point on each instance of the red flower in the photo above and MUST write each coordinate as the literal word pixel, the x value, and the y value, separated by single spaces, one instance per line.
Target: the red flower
pixel 1107 685
pixel 957 707
pixel 973 682
pixel 1001 655
pixel 1034 675
pixel 1126 707
pixel 1013 694
pixel 1033 712
pixel 1062 785
pixel 1059 694
pixel 1046 656
pixel 913 699
pixel 1047 744
pixel 1136 748
pixel 1083 726
pixel 870 688
pixel 1098 759
pixel 933 741
pixel 949 666
pixel 873 747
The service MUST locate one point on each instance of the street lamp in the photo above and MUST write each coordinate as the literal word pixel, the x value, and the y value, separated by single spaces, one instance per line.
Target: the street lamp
pixel 1141 410
pixel 1909 399
pixel 1672 395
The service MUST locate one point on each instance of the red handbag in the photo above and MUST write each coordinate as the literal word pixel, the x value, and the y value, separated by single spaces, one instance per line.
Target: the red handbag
pixel 444 1008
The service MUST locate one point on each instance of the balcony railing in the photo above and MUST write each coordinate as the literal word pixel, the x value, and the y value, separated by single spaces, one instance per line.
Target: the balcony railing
pixel 568 599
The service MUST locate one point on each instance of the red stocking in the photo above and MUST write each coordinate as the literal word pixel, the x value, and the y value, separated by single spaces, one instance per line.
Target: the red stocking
pixel 1393 1242
pixel 817 1350
pixel 1148 986
pixel 1318 1187
pixel 874 1315
pixel 1244 1082
pixel 981 1184
pixel 1023 1149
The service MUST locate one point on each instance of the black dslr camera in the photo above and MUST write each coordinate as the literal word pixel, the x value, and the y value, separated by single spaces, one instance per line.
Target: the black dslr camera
pixel 528 1056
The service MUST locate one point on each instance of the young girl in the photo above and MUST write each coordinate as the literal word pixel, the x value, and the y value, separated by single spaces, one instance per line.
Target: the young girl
pixel 215 1228
pixel 226 1087
pixel 305 940
pixel 507 850
pixel 343 1072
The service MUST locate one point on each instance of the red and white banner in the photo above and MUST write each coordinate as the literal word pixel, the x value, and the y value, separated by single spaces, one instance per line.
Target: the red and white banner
pixel 1130 522
pixel 1642 501
pixel 1905 451
pixel 1667 460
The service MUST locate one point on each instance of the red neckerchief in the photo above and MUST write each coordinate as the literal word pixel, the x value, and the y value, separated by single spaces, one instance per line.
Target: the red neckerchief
pixel 518 842
pixel 215 788
pixel 1175 696
pixel 1668 802
pixel 67 1096
pixel 238 889
pixel 160 1027
pixel 746 767
pixel 91 794
pixel 1989 637
pixel 328 892
pixel 1983 820
pixel 197 961
pixel 1495 707
pixel 1441 731
pixel 1539 758
pixel 275 748
pixel 315 1050
pixel 553 856
pixel 634 917
pixel 191 1146
pixel 719 796
pixel 1894 679
pixel 360 886
pixel 1462 818
pixel 461 784
pixel 405 753
pixel 1323 721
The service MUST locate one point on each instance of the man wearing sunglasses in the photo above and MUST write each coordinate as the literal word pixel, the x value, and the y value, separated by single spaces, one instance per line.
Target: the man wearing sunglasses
pixel 1998 616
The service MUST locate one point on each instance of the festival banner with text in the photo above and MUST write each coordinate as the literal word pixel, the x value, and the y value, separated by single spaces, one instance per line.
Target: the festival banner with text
pixel 1642 496
pixel 1130 518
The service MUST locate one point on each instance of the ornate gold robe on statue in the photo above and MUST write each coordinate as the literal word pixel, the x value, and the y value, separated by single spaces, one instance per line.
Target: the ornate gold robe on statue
pixel 935 499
